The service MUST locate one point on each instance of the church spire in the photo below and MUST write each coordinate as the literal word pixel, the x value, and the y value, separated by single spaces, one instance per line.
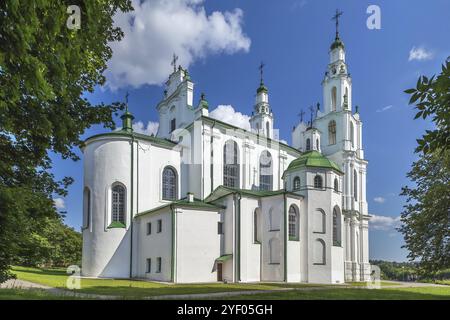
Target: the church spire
pixel 337 41
pixel 127 117
pixel 262 87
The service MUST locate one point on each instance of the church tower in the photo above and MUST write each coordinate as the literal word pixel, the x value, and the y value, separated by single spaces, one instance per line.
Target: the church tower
pixel 261 121
pixel 337 84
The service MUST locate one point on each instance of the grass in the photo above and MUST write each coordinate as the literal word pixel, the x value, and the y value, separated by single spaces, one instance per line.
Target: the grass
pixel 31 294
pixel 134 289
pixel 422 293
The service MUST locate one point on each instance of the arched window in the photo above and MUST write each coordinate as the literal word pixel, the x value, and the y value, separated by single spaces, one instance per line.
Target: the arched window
pixel 308 144
pixel 352 134
pixel 336 185
pixel 265 171
pixel 355 185
pixel 274 220
pixel 293 223
pixel 230 164
pixel 318 182
pixel 317 144
pixel 319 252
pixel 87 207
pixel 267 129
pixel 320 221
pixel 336 227
pixel 169 184
pixel 274 251
pixel 333 99
pixel 118 203
pixel 296 183
pixel 332 132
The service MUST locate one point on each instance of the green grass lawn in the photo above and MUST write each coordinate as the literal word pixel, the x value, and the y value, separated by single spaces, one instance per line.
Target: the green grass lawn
pixel 422 293
pixel 31 294
pixel 130 289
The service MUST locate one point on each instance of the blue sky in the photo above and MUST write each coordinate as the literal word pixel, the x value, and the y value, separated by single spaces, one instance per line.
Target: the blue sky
pixel 292 37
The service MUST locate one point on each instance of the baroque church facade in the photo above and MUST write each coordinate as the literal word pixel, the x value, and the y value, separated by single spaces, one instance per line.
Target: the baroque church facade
pixel 205 201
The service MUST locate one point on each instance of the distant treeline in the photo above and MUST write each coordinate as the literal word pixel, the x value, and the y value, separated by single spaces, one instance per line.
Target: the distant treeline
pixel 408 271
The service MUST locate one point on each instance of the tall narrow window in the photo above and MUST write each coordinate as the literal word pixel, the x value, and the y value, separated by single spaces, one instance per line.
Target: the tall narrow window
pixel 87 207
pixel 336 228
pixel 169 184
pixel 149 265
pixel 296 183
pixel 159 226
pixel 293 223
pixel 173 124
pixel 149 228
pixel 332 132
pixel 118 203
pixel 265 171
pixel 352 134
pixel 308 144
pixel 333 99
pixel 355 185
pixel 268 129
pixel 336 185
pixel 317 144
pixel 230 164
pixel 318 182
pixel 219 227
pixel 255 226
pixel 158 264
pixel 274 251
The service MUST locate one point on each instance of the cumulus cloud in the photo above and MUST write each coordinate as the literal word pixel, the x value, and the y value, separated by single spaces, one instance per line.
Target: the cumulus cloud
pixel 385 108
pixel 420 54
pixel 379 199
pixel 384 223
pixel 59 203
pixel 158 28
pixel 151 128
pixel 226 113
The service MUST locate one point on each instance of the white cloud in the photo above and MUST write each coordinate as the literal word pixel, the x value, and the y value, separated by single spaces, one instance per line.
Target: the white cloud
pixel 420 54
pixel 226 113
pixel 379 199
pixel 59 203
pixel 158 28
pixel 385 108
pixel 152 127
pixel 384 223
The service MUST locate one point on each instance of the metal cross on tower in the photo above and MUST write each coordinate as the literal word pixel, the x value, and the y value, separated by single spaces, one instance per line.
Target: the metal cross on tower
pixel 261 71
pixel 126 101
pixel 311 108
pixel 174 62
pixel 336 17
pixel 301 114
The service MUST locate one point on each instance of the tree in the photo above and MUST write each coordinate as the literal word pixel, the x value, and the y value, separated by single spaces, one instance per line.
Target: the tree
pixel 434 101
pixel 45 68
pixel 426 215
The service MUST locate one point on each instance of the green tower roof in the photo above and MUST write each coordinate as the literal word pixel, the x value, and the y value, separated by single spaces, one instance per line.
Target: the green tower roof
pixel 313 159
pixel 337 43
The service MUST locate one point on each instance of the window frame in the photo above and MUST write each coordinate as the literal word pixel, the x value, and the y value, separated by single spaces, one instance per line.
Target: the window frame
pixel 120 205
pixel 172 188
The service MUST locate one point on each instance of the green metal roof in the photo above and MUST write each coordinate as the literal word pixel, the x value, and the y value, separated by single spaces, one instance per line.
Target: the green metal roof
pixel 337 43
pixel 183 203
pixel 222 191
pixel 262 88
pixel 123 133
pixel 224 257
pixel 313 159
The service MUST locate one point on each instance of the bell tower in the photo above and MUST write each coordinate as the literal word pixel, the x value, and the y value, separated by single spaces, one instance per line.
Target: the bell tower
pixel 261 121
pixel 337 84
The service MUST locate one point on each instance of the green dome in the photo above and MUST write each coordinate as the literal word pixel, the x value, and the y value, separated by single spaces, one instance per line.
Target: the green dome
pixel 262 88
pixel 337 43
pixel 313 159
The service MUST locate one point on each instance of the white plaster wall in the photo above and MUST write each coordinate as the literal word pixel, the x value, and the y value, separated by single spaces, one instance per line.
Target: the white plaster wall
pixel 250 251
pixel 106 252
pixel 155 245
pixel 197 245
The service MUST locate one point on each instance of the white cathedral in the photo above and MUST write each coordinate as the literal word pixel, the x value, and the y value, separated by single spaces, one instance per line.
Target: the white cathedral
pixel 205 201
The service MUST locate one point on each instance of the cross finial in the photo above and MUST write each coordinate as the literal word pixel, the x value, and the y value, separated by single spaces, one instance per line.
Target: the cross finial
pixel 261 71
pixel 174 62
pixel 301 114
pixel 126 101
pixel 311 109
pixel 336 17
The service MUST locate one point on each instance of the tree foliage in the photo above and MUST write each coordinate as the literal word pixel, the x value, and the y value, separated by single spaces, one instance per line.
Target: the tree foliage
pixel 426 215
pixel 45 68
pixel 432 99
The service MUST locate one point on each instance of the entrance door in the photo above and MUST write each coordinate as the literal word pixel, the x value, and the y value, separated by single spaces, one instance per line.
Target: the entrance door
pixel 219 272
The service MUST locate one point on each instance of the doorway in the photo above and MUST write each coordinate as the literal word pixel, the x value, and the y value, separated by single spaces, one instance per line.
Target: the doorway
pixel 219 272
